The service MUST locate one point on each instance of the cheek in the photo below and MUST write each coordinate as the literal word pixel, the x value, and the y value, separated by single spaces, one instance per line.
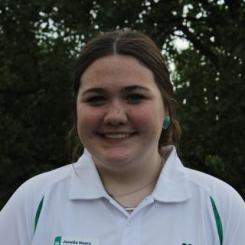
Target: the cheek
pixel 148 118
pixel 87 119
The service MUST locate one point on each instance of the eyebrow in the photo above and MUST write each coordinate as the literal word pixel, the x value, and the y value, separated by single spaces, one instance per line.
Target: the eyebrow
pixel 93 90
pixel 126 89
pixel 135 87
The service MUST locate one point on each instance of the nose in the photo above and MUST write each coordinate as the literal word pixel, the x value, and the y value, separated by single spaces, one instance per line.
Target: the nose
pixel 115 114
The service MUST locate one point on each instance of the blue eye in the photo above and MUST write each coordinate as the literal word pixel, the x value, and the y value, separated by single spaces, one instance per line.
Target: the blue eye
pixel 135 98
pixel 95 100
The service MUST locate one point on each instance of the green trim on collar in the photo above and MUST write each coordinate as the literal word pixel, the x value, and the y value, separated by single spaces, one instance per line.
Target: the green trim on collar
pixel 217 221
pixel 38 212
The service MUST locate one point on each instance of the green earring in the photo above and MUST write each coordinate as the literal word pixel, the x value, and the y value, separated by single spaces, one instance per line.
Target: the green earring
pixel 166 122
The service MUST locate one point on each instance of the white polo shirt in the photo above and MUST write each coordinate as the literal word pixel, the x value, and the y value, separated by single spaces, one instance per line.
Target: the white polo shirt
pixel 65 207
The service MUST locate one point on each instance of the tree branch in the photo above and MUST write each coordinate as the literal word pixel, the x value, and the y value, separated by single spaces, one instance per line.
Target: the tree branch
pixel 199 45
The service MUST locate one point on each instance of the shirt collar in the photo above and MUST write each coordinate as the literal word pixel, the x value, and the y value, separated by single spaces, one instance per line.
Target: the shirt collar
pixel 173 184
pixel 85 180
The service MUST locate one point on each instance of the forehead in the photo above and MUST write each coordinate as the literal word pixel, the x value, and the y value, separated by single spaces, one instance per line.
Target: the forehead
pixel 117 70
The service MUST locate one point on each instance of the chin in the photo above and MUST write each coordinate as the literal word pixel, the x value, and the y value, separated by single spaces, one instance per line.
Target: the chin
pixel 115 159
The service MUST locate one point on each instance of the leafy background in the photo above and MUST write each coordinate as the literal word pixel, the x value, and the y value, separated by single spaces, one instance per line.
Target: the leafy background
pixel 39 41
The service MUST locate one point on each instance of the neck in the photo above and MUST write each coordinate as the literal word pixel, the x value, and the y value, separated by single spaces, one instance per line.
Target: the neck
pixel 131 200
pixel 131 185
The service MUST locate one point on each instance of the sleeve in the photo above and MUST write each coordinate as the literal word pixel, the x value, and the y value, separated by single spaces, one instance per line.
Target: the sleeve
pixel 229 214
pixel 234 220
pixel 17 218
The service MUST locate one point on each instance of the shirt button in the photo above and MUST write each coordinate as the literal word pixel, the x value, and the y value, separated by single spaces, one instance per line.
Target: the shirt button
pixel 129 223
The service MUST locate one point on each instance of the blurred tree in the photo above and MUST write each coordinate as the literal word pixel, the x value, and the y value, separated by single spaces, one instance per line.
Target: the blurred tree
pixel 39 41
pixel 209 81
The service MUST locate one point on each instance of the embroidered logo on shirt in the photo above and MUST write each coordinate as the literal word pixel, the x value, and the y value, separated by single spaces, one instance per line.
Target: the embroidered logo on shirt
pixel 59 240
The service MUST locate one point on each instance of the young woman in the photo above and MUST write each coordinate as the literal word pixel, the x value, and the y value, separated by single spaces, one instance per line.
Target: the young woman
pixel 129 186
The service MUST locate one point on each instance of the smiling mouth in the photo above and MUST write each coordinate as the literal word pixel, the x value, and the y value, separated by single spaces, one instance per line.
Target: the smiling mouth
pixel 116 135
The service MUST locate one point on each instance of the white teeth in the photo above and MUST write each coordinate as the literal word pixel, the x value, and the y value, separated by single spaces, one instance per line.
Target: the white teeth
pixel 116 135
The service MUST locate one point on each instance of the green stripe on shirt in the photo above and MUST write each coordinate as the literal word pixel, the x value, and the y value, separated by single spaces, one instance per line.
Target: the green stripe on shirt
pixel 217 221
pixel 38 212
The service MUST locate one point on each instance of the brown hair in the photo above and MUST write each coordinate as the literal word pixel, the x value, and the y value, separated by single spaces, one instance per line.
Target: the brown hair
pixel 141 47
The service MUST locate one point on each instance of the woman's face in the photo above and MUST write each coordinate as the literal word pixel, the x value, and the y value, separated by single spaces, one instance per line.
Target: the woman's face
pixel 120 111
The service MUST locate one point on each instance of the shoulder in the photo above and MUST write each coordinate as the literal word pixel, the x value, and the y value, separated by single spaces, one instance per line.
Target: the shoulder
pixel 21 211
pixel 220 195
pixel 206 182
pixel 211 185
pixel 225 204
pixel 49 178
pixel 40 184
pixel 31 192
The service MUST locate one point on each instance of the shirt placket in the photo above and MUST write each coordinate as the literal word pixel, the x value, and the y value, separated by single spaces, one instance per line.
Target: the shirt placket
pixel 131 232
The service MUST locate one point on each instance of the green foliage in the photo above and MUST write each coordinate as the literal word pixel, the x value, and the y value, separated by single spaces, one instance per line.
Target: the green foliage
pixel 215 163
pixel 39 41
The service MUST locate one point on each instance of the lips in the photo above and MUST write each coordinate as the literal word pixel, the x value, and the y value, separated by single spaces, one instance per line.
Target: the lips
pixel 116 135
